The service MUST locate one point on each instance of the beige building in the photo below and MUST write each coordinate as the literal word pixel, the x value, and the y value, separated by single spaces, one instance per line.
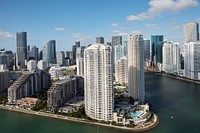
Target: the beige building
pixel 121 71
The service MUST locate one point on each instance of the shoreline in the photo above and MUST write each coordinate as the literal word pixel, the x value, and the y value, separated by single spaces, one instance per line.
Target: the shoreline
pixel 175 77
pixel 81 120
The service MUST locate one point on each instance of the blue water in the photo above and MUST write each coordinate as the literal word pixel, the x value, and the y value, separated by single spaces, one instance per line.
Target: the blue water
pixel 136 114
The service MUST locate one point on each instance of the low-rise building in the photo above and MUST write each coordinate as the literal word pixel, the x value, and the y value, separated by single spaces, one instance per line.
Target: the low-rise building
pixel 27 102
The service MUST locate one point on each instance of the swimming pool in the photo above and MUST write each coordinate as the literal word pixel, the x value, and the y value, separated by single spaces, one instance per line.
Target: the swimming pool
pixel 136 114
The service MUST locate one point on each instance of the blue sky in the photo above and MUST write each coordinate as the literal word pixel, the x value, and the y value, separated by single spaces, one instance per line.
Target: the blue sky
pixel 69 20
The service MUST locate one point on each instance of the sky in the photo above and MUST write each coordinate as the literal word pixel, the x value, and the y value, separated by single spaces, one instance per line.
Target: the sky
pixel 69 20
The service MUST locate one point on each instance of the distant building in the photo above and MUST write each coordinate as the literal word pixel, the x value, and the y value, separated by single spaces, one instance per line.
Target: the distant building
pixel 60 92
pixel 98 82
pixel 56 72
pixel 74 48
pixel 4 80
pixel 191 32
pixel 49 52
pixel 136 83
pixel 100 40
pixel 116 42
pixel 147 49
pixel 28 85
pixel 171 57
pixel 121 70
pixel 42 65
pixel 31 65
pixel 21 54
pixel 156 48
pixel 80 66
pixel 60 58
pixel 192 59
pixel 33 54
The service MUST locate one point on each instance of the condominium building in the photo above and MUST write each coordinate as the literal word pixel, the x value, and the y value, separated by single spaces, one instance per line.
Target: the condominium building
pixel 4 80
pixel 60 58
pixel 28 85
pixel 56 72
pixel 191 32
pixel 192 59
pixel 80 66
pixel 41 65
pixel 98 82
pixel 171 57
pixel 60 92
pixel 31 65
pixel 121 71
pixel 136 67
pixel 100 40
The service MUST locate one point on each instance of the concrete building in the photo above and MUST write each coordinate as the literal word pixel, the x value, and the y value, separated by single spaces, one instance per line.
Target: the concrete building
pixel 192 59
pixel 60 58
pixel 80 85
pixel 80 66
pixel 21 54
pixel 33 54
pixel 28 85
pixel 60 92
pixel 136 83
pixel 42 65
pixel 4 80
pixel 121 71
pixel 98 82
pixel 100 40
pixel 171 57
pixel 56 72
pixel 49 52
pixel 116 42
pixel 31 65
pixel 191 32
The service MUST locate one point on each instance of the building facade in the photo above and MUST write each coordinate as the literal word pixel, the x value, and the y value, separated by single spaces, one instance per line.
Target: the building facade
pixel 100 40
pixel 121 71
pixel 98 82
pixel 28 85
pixel 80 66
pixel 192 59
pixel 60 58
pixel 171 57
pixel 4 80
pixel 21 54
pixel 60 92
pixel 136 84
pixel 191 32
pixel 49 52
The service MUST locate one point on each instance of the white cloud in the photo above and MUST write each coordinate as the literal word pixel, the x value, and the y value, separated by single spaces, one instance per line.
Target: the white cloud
pixel 115 25
pixel 157 8
pixel 174 27
pixel 152 25
pixel 59 29
pixel 81 37
pixel 6 35
pixel 116 31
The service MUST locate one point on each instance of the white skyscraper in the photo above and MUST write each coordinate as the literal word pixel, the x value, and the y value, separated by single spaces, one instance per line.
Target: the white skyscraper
pixel 60 57
pixel 121 70
pixel 191 32
pixel 136 67
pixel 192 59
pixel 80 66
pixel 42 65
pixel 98 82
pixel 171 57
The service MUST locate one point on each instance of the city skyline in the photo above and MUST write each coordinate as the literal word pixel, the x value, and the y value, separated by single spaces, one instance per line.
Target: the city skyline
pixel 68 21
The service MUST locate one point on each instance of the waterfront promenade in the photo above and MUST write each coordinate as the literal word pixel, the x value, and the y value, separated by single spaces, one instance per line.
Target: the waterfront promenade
pixel 145 127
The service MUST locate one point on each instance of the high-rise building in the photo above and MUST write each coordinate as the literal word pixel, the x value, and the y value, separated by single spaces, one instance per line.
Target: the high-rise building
pixel 42 65
pixel 191 32
pixel 192 59
pixel 100 40
pixel 33 54
pixel 147 49
pixel 21 54
pixel 4 80
pixel 125 49
pixel 116 42
pixel 98 82
pixel 60 58
pixel 49 52
pixel 171 57
pixel 121 71
pixel 136 67
pixel 80 66
pixel 156 48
